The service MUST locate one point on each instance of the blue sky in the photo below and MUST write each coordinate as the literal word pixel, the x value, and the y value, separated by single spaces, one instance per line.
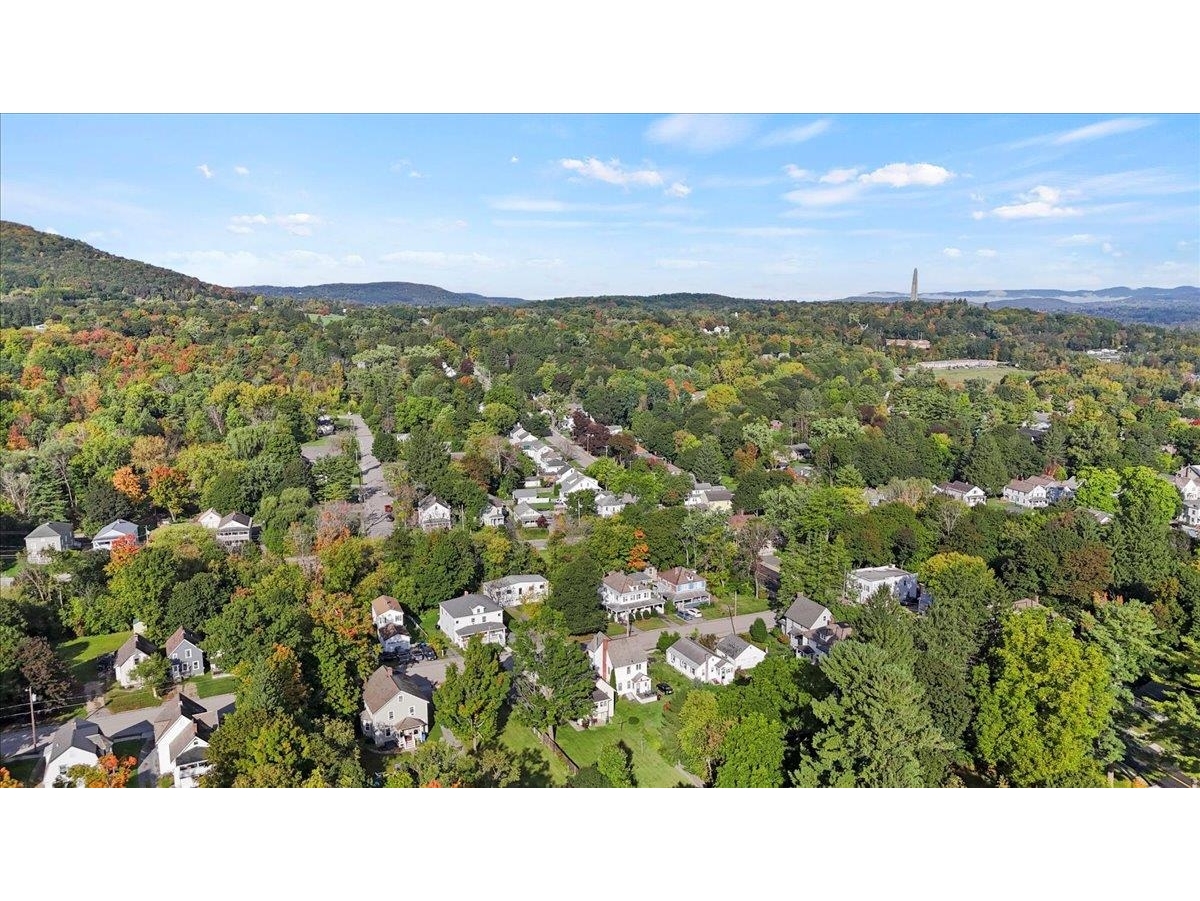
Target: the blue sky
pixel 805 207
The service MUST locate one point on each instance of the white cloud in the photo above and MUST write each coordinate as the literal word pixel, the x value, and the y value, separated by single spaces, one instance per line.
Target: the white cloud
pixel 1040 203
pixel 353 259
pixel 437 259
pixel 678 189
pixel 976 197
pixel 528 205
pixel 838 176
pixel 295 223
pixel 796 134
pixel 205 171
pixel 1101 130
pixel 754 231
pixel 682 264
pixel 700 133
pixel 986 252
pixel 613 173
pixel 737 181
pixel 415 174
pixel 953 252
pixel 514 159
pixel 820 197
pixel 903 175
pixel 241 170
pixel 795 172
pixel 978 214
pixel 1078 240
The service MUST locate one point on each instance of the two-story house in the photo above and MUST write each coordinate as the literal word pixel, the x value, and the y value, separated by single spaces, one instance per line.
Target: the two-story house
pixel 48 538
pixel 810 628
pixel 697 662
pixel 1187 482
pixel 608 504
pixel 135 649
pixel 184 653
pixel 625 665
pixel 395 710
pixel 117 530
pixel 626 595
pixel 683 587
pixel 493 516
pixel 573 481
pixel 182 731
pixel 472 614
pixel 862 583
pixel 511 591
pixel 714 498
pixel 386 609
pixel 433 514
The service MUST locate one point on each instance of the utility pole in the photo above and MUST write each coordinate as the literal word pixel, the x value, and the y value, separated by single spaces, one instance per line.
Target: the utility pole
pixel 32 717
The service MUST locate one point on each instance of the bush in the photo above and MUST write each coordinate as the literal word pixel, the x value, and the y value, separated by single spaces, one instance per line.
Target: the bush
pixel 666 640
pixel 758 630
pixel 589 777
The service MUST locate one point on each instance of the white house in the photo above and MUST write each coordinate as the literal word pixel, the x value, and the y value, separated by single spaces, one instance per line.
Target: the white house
pixel 963 491
pixel 862 583
pixel 527 516
pixel 740 653
pixel 493 515
pixel 511 591
pixel 135 649
pixel 182 731
pixel 624 664
pixel 394 639
pixel 683 587
pixel 573 481
pixel 48 538
pixel 709 497
pixel 77 743
pixel 603 705
pixel 1190 516
pixel 1187 481
pixel 232 529
pixel 697 662
pixel 386 609
pixel 1029 492
pixel 625 595
pixel 472 614
pixel 433 514
pixel 184 652
pixel 115 531
pixel 608 504
pixel 395 710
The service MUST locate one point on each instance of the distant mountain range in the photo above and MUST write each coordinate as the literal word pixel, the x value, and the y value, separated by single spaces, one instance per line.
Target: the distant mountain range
pixel 31 259
pixel 383 293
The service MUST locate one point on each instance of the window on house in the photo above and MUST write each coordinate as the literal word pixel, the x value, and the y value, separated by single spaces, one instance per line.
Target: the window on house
pixel 187 653
pixel 412 711
pixel 391 714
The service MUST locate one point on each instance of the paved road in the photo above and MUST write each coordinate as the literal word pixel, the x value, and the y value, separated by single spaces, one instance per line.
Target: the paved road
pixel 375 522
pixel 647 641
pixel 569 448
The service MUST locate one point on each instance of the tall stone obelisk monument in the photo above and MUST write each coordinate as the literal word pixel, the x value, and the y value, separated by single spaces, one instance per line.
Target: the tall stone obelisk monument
pixel 913 298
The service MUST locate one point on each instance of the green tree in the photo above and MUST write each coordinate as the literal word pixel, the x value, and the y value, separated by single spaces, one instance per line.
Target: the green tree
pixel 573 588
pixel 469 701
pixel 752 754
pixel 985 465
pixel 709 462
pixel 758 631
pixel 616 765
pixel 1178 730
pixel 875 727
pixel 1099 489
pixel 154 673
pixel 1045 699
pixel 556 679
pixel 702 731
pixel 1128 635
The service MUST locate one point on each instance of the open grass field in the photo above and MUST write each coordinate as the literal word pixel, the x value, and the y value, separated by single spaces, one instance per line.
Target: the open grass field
pixel 641 728
pixel 80 654
pixel 208 685
pixel 540 768
pixel 122 699
pixel 991 374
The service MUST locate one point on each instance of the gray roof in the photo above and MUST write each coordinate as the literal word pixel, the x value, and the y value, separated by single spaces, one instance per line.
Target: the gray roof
pixel 383 685
pixel 82 734
pixel 135 642
pixel 510 581
pixel 805 612
pixel 879 573
pixel 732 646
pixel 718 494
pixel 120 526
pixel 236 520
pixel 624 652
pixel 959 487
pixel 179 636
pixel 694 652
pixel 429 502
pixel 479 629
pixel 63 530
pixel 462 606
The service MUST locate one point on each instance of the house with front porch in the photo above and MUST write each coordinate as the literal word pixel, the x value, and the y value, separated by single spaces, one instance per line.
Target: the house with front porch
pixel 683 587
pixel 810 628
pixel 182 731
pixel 395 710
pixel 472 614
pixel 386 609
pixel 969 494
pixel 626 595
pixel 697 662
pixel 493 516
pixel 433 514
pixel 529 517
pixel 512 591
pixel 117 530
pixel 622 663
pixel 609 504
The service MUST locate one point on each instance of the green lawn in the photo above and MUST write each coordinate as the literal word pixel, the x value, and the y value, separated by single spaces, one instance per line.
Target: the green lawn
pixel 641 728
pixel 745 604
pixel 993 374
pixel 540 768
pixel 122 699
pixel 80 653
pixel 324 319
pixel 650 623
pixel 208 685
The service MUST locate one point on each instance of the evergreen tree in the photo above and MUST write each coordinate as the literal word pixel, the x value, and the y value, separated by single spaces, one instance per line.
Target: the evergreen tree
pixel 469 701
pixel 985 465
pixel 573 592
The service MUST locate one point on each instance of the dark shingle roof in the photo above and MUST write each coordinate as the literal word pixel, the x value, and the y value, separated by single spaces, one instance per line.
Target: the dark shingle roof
pixel 462 606
pixel 82 734
pixel 696 653
pixel 63 530
pixel 805 612
pixel 383 685
pixel 179 635
pixel 732 646
pixel 135 642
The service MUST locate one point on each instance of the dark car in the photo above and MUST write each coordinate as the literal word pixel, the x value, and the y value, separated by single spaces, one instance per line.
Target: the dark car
pixel 665 688
pixel 424 653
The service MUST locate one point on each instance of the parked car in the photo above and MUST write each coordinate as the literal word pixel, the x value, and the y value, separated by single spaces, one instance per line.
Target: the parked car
pixel 665 688
pixel 423 652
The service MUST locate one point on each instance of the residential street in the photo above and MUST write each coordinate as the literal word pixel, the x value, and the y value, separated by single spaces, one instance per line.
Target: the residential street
pixel 375 522
pixel 720 627
pixel 569 449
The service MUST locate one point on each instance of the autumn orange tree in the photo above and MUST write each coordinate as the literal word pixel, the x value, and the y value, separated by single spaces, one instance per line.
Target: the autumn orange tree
pixel 126 481
pixel 109 771
pixel 123 550
pixel 7 780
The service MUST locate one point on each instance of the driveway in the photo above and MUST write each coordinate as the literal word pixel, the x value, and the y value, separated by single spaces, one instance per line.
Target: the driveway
pixel 375 522
pixel 647 641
